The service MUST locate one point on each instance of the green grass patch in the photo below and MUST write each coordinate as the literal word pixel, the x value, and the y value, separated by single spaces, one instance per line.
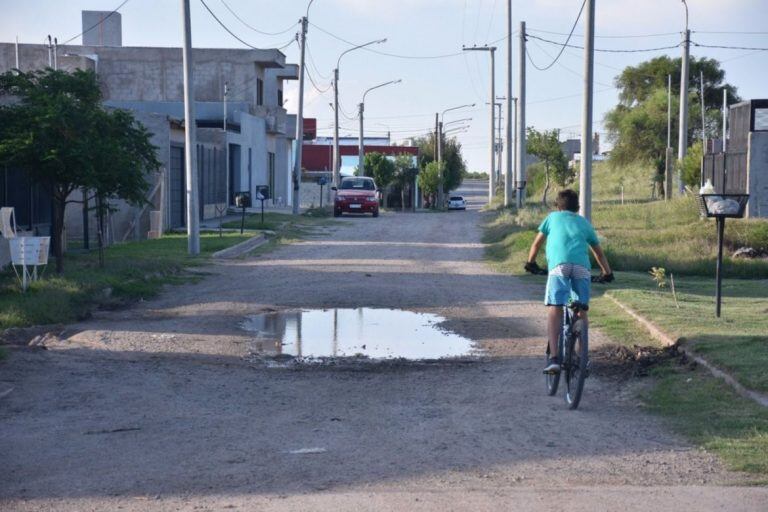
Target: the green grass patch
pixel 132 271
pixel 707 411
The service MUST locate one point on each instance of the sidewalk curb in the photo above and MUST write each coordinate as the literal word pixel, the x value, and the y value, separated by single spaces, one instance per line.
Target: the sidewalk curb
pixel 242 248
pixel 664 338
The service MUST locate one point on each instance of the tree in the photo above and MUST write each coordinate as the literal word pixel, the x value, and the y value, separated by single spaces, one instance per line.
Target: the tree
pixel 692 165
pixel 382 169
pixel 546 146
pixel 55 128
pixel 121 154
pixel 405 172
pixel 637 126
pixel 429 180
pixel 455 167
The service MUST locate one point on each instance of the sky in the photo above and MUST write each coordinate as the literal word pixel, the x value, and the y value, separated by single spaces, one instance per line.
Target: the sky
pixel 423 29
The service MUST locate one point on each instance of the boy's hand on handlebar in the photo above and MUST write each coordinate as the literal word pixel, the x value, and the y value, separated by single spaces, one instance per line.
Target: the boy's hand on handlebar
pixel 534 268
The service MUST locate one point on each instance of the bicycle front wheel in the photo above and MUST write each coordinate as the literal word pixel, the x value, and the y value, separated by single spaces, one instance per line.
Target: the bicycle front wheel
pixel 553 379
pixel 575 367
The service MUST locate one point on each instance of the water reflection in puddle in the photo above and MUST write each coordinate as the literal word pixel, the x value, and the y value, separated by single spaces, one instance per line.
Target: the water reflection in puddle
pixel 361 332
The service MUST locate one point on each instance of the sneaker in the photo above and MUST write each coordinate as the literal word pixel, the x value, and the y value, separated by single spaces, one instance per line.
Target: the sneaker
pixel 553 365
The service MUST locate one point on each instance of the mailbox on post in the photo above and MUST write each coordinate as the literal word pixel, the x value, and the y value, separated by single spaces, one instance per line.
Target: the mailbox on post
pixel 242 200
pixel 262 194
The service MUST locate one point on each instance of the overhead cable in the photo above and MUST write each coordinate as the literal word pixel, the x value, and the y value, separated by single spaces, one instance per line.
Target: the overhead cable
pixel 606 50
pixel 386 54
pixel 563 45
pixel 105 18
pixel 292 27
pixel 225 27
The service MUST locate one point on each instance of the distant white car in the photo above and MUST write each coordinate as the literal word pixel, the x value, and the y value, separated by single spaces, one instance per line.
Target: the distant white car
pixel 457 203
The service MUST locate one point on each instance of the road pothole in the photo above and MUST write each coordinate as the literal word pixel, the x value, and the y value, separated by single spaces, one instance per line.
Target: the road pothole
pixel 367 334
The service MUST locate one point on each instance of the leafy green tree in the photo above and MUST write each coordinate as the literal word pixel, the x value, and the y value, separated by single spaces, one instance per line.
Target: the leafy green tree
pixel 692 165
pixel 382 169
pixel 455 167
pixel 637 126
pixel 429 181
pixel 546 145
pixel 54 127
pixel 405 172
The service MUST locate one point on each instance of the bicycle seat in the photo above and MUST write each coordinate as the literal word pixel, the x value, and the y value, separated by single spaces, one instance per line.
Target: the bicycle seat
pixel 578 306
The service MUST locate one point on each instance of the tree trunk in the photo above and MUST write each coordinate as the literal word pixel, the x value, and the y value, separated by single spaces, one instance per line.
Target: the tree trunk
pixel 402 198
pixel 100 236
pixel 57 223
pixel 546 185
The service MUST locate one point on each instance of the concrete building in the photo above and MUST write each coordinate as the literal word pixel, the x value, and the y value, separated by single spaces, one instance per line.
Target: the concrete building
pixel 254 151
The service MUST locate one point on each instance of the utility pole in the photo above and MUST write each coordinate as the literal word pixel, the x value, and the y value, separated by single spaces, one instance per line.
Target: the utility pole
pixel 296 178
pixel 521 145
pixel 17 53
pixel 336 167
pixel 668 152
pixel 703 116
pixel 360 150
pixel 682 144
pixel 226 144
pixel 55 53
pixel 50 52
pixel 725 117
pixel 585 179
pixel 512 151
pixel 509 168
pixel 190 157
pixel 491 167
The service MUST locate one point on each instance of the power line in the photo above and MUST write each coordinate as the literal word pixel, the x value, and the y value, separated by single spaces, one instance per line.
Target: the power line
pixel 315 66
pixel 563 46
pixel 96 24
pixel 731 32
pixel 631 36
pixel 386 54
pixel 235 35
pixel 314 84
pixel 573 72
pixel 729 47
pixel 254 28
pixel 607 50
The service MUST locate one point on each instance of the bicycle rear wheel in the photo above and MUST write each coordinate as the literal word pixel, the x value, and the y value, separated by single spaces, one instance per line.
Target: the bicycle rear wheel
pixel 553 379
pixel 575 366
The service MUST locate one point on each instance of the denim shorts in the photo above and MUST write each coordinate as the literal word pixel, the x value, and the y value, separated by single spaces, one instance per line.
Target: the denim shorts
pixel 567 282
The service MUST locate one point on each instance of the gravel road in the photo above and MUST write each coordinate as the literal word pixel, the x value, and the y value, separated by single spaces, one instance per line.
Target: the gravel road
pixel 161 407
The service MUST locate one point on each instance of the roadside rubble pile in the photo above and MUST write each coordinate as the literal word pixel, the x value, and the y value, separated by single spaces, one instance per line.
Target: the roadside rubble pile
pixel 636 361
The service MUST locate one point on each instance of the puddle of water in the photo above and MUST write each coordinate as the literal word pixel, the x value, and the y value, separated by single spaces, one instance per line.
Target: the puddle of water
pixel 362 332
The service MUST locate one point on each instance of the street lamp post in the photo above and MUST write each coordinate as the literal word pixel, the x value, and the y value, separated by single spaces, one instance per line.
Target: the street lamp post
pixel 361 110
pixel 491 177
pixel 439 141
pixel 336 160
pixel 682 145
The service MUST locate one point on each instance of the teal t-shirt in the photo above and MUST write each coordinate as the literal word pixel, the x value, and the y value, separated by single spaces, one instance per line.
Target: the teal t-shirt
pixel 568 235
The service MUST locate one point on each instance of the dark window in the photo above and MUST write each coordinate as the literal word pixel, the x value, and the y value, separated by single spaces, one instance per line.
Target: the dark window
pixel 280 97
pixel 357 184
pixel 271 171
pixel 259 91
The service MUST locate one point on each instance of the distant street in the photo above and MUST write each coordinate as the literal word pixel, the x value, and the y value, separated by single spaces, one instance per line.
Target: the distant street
pixel 167 405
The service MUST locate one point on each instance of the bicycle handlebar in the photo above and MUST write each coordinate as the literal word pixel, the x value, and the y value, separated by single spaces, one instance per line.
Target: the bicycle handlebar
pixel 533 268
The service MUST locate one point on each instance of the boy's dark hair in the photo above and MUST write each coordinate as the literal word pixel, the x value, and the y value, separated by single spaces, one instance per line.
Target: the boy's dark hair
pixel 567 200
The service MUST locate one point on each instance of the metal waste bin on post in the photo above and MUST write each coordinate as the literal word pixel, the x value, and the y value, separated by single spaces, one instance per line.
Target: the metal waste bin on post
pixel 721 207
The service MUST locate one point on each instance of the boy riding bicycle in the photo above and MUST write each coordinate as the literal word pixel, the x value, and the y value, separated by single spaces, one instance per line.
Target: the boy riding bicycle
pixel 568 236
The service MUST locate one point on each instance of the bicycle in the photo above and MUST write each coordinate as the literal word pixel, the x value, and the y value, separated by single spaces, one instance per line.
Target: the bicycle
pixel 573 347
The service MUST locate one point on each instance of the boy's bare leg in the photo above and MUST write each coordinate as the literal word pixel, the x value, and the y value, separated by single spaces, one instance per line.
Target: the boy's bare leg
pixel 554 324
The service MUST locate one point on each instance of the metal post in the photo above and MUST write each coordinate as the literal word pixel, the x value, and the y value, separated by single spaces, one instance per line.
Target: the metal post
pixel 669 111
pixel 336 169
pixel 17 53
pixel 682 145
pixel 297 153
pixel 725 118
pixel 719 287
pixel 491 169
pixel 512 152
pixel 499 148
pixel 55 53
pixel 521 146
pixel 50 52
pixel 508 175
pixel 361 150
pixel 190 153
pixel 585 178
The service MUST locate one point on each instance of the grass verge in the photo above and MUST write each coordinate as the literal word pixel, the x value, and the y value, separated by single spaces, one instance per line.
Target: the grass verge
pixel 132 271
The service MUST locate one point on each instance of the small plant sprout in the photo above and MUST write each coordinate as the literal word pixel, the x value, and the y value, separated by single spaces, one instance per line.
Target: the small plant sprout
pixel 659 275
